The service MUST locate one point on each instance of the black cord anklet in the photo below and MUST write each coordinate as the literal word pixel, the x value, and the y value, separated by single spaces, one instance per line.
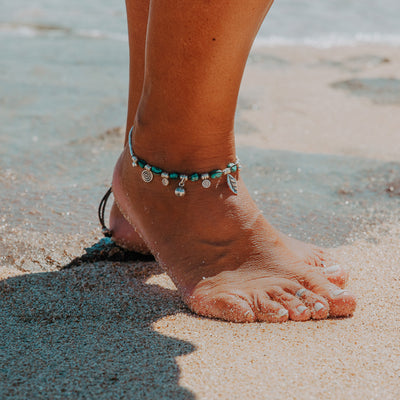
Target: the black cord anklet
pixel 101 211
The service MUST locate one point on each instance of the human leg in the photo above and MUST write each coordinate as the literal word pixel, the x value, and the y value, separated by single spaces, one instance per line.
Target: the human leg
pixel 137 16
pixel 123 234
pixel 225 259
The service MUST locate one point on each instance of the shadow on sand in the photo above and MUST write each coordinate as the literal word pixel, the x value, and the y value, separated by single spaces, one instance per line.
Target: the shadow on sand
pixel 86 332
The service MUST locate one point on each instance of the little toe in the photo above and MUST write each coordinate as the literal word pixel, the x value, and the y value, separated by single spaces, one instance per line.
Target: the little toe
pixel 298 311
pixel 229 307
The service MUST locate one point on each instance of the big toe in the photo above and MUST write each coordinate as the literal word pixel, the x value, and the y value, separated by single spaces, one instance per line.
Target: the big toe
pixel 342 303
pixel 336 274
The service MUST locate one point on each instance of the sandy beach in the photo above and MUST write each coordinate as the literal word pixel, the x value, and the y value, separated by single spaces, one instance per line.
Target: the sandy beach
pixel 318 132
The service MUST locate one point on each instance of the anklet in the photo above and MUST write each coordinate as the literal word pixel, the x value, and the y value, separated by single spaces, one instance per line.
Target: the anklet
pixel 150 170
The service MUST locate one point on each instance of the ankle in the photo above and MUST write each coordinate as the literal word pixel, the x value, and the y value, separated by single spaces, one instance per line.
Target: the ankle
pixel 150 170
pixel 182 149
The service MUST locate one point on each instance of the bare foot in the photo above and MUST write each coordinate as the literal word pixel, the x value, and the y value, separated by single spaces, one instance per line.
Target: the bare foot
pixel 225 259
pixel 124 235
pixel 318 257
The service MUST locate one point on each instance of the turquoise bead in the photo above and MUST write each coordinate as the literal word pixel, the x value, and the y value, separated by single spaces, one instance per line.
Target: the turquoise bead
pixel 173 175
pixel 194 177
pixel 156 170
pixel 216 173
pixel 142 163
pixel 234 168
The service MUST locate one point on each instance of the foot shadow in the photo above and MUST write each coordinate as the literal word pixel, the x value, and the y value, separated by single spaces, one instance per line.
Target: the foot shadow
pixel 86 332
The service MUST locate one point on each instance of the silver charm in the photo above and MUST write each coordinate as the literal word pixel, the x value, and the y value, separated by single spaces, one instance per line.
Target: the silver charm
pixel 206 183
pixel 232 183
pixel 164 178
pixel 147 175
pixel 180 191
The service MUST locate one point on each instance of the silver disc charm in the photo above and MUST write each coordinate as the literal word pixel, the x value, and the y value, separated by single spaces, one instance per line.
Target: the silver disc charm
pixel 147 175
pixel 180 191
pixel 206 183
pixel 232 183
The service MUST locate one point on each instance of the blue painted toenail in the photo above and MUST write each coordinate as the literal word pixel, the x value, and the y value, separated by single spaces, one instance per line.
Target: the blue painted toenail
pixel 301 309
pixel 332 269
pixel 300 292
pixel 337 292
pixel 282 312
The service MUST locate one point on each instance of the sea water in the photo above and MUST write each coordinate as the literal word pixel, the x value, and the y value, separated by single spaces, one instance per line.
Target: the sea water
pixel 63 83
pixel 326 23
pixel 321 23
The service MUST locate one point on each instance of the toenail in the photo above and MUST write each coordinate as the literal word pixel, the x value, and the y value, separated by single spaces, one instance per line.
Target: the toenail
pixel 301 309
pixel 282 313
pixel 337 292
pixel 300 292
pixel 332 269
pixel 318 306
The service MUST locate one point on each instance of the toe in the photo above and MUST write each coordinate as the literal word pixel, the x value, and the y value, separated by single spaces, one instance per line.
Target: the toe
pixel 318 306
pixel 229 307
pixel 336 275
pixel 298 311
pixel 342 303
pixel 268 310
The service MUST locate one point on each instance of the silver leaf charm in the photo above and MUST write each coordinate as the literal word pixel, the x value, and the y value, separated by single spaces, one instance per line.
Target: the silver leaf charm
pixel 232 183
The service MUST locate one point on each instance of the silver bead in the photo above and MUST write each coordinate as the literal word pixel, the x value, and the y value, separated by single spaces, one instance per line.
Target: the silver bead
pixel 147 167
pixel 164 178
pixel 205 176
pixel 180 191
pixel 147 175
pixel 226 171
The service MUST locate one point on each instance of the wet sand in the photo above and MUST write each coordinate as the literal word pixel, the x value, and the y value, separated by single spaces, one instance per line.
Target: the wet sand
pixel 318 134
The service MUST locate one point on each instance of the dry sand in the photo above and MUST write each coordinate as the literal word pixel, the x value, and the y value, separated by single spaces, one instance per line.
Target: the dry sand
pixel 325 123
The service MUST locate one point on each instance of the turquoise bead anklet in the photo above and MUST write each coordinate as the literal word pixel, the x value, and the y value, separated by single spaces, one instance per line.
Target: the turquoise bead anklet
pixel 205 178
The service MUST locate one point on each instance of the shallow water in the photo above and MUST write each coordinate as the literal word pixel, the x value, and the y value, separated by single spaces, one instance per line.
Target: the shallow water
pixel 333 22
pixel 318 23
pixel 63 72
